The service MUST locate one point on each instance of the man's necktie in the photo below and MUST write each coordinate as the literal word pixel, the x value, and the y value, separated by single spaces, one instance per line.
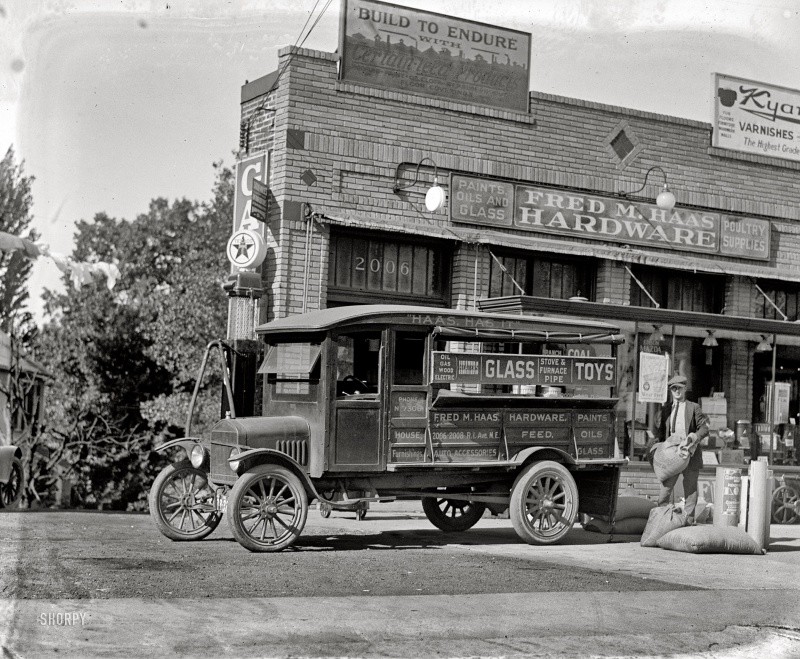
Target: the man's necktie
pixel 673 417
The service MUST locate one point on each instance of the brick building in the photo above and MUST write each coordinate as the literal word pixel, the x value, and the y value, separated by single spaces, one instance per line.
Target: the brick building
pixel 339 233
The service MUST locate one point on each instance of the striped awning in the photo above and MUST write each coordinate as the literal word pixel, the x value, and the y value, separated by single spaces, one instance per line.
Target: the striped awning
pixel 573 247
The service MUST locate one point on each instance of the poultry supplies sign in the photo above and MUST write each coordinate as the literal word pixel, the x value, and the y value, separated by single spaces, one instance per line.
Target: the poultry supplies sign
pixel 756 118
pixel 420 52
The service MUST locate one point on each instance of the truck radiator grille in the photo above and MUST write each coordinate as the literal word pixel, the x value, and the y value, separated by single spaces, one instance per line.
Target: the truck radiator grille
pixel 294 448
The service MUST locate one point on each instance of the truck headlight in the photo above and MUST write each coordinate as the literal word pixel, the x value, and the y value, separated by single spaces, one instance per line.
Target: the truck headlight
pixel 197 456
pixel 234 464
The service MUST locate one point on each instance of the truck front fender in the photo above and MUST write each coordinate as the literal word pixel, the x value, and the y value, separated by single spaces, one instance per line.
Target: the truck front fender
pixel 7 455
pixel 256 456
pixel 186 443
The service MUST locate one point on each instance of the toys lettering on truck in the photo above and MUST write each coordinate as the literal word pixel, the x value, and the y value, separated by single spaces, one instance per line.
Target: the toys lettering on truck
pixel 463 410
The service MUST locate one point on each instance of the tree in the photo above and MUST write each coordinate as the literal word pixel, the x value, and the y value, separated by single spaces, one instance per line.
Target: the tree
pixel 126 358
pixel 20 384
pixel 15 268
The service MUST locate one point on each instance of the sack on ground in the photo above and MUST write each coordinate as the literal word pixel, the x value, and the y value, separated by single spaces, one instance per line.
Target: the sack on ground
pixel 629 526
pixel 710 540
pixel 662 520
pixel 628 507
pixel 704 513
pixel 667 461
pixel 598 526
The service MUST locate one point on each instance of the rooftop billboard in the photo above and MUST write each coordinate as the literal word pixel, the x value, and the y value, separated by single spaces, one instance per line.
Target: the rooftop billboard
pixel 393 47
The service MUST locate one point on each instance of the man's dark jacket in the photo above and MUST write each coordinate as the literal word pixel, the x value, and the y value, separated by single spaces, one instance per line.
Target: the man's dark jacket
pixel 696 422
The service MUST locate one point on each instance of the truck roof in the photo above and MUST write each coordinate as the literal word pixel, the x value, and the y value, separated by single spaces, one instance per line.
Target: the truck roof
pixel 455 320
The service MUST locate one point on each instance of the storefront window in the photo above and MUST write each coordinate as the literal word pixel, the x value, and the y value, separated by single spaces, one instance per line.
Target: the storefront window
pixel 559 279
pixel 682 291
pixel 373 269
pixel 784 295
pixel 688 357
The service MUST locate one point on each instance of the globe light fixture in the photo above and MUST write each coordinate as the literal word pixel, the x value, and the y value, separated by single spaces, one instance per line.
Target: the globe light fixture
pixel 764 345
pixel 657 336
pixel 435 197
pixel 665 199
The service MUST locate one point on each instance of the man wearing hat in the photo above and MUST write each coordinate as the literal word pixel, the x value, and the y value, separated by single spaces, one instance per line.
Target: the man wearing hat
pixel 682 421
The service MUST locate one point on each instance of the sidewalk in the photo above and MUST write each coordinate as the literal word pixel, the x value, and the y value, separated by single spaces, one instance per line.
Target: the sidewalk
pixel 778 569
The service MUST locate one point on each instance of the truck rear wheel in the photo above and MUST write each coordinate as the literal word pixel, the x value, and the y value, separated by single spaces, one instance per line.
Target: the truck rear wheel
pixel 452 515
pixel 544 503
pixel 267 508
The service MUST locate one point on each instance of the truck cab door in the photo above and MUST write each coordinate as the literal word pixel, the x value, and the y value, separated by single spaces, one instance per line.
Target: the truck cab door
pixel 357 405
pixel 407 398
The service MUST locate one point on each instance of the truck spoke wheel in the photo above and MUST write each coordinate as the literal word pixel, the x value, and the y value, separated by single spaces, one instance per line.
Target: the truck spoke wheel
pixel 182 503
pixel 452 515
pixel 11 491
pixel 544 503
pixel 267 508
pixel 785 505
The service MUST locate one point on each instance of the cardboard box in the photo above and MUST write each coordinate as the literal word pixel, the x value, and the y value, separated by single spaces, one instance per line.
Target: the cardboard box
pixel 717 421
pixel 731 456
pixel 714 405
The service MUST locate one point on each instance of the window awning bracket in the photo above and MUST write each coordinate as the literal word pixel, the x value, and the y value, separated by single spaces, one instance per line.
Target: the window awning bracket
pixel 769 299
pixel 643 287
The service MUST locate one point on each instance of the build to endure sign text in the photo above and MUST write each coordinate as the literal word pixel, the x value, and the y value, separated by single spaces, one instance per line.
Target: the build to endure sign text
pixel 578 215
pixel 431 54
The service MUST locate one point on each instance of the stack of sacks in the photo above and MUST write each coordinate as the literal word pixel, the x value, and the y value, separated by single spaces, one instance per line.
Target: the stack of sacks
pixel 631 517
pixel 662 520
pixel 703 512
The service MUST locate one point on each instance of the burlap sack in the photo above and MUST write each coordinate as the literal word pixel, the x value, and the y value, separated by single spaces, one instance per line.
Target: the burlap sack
pixel 668 460
pixel 661 521
pixel 628 506
pixel 710 540
pixel 627 526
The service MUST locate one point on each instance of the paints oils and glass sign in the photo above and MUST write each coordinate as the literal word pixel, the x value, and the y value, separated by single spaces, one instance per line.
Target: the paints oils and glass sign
pixel 425 53
pixel 756 118
pixel 578 215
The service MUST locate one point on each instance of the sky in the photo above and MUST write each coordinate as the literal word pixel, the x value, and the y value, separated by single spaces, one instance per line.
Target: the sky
pixel 111 103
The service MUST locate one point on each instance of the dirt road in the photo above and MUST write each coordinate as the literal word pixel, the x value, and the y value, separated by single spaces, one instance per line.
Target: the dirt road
pixel 91 584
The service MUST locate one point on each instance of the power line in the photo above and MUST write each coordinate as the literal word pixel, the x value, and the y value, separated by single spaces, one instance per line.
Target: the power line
pixel 244 132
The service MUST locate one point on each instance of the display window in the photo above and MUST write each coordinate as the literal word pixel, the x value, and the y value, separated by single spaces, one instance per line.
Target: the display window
pixel 556 278
pixel 681 291
pixel 366 269
pixel 687 356
pixel 783 302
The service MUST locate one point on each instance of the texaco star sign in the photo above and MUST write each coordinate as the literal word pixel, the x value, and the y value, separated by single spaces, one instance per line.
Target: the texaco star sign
pixel 246 249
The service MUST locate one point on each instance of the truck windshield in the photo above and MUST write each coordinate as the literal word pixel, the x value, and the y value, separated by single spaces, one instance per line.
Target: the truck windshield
pixel 292 369
pixel 292 360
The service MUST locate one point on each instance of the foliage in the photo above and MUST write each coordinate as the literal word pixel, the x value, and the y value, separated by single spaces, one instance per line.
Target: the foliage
pixel 19 385
pixel 15 269
pixel 127 357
